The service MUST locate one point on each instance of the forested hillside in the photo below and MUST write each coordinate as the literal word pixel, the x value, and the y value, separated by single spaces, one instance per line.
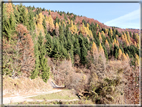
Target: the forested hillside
pixel 96 60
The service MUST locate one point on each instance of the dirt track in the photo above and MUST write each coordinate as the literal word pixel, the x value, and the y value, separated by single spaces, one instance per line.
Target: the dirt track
pixel 8 100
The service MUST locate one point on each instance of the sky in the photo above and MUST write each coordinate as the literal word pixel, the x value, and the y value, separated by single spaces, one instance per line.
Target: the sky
pixel 123 15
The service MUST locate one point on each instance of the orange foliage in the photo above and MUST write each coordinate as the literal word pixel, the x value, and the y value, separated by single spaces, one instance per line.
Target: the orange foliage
pixel 9 9
pixel 26 47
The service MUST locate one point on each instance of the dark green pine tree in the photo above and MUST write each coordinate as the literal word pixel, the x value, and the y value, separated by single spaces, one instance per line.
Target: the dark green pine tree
pixel 33 7
pixel 130 34
pixel 109 34
pixel 55 51
pixel 62 52
pixel 31 25
pixel 86 43
pixel 72 39
pixel 97 41
pixel 83 52
pixel 103 39
pixel 61 34
pixel 117 32
pixel 49 45
pixel 25 17
pixel 134 36
pixel 9 25
pixel 71 54
pixel 116 51
pixel 44 25
pixel 76 47
pixel 94 34
pixel 43 61
pixel 67 30
pixel 108 40
pixel 35 73
pixel 45 69
pixel 17 14
pixel 83 55
pixel 114 36
pixel 105 51
pixel 69 45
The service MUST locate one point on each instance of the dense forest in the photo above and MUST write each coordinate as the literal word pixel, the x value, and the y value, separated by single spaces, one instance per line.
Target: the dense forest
pixel 94 59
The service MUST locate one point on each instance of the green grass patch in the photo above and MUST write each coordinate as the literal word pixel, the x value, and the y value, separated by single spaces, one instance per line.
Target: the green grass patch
pixel 65 94
pixel 57 102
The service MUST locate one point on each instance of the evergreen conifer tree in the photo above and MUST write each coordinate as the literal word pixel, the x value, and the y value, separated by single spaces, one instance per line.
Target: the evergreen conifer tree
pixel 49 44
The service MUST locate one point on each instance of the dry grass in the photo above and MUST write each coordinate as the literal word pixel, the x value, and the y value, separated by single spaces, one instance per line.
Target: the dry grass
pixel 23 86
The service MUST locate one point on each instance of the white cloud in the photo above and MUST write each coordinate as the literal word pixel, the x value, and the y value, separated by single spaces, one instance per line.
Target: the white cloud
pixel 130 20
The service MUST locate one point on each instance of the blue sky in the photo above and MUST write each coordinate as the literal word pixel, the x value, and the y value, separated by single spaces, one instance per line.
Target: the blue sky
pixel 123 15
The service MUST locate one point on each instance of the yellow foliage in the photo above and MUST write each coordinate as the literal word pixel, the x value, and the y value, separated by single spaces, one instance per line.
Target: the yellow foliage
pixel 51 24
pixel 111 32
pixel 114 41
pixel 106 30
pixel 101 49
pixel 100 37
pixel 138 46
pixel 97 25
pixel 137 37
pixel 26 11
pixel 135 44
pixel 120 54
pixel 117 43
pixel 122 37
pixel 127 43
pixel 107 46
pixel 49 10
pixel 59 23
pixel 64 23
pixel 103 33
pixel 127 56
pixel 90 33
pixel 106 43
pixel 128 37
pixel 57 26
pixel 39 26
pixel 124 58
pixel 85 31
pixel 57 29
pixel 125 36
pixel 68 21
pixel 73 28
pixel 137 60
pixel 87 25
pixel 94 49
pixel 88 39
